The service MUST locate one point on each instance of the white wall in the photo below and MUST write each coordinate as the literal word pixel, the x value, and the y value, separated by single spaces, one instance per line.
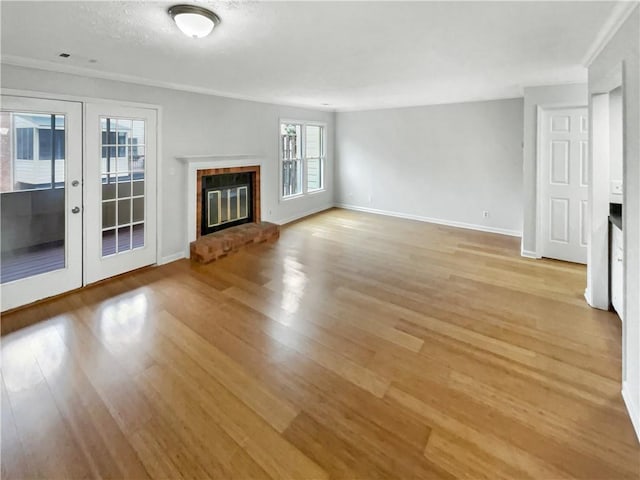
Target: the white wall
pixel 551 95
pixel 195 124
pixel 442 162
pixel 624 47
pixel 615 143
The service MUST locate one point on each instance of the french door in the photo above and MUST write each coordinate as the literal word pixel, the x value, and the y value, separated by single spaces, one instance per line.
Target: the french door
pixel 120 189
pixel 72 217
pixel 40 198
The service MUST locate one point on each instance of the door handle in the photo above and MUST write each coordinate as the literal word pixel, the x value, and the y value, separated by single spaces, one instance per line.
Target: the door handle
pixel 75 183
pixel 75 210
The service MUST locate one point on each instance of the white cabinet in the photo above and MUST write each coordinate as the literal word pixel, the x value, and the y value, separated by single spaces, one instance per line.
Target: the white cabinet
pixel 617 272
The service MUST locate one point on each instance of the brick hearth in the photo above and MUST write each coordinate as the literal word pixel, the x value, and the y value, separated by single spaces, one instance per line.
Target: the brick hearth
pixel 207 248
pixel 211 247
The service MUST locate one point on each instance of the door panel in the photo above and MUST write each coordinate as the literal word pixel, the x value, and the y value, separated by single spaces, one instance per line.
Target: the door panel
pixel 120 169
pixel 560 162
pixel 41 190
pixel 559 226
pixel 564 183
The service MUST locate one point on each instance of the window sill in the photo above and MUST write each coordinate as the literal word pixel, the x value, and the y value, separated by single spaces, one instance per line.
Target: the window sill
pixel 291 197
pixel 303 195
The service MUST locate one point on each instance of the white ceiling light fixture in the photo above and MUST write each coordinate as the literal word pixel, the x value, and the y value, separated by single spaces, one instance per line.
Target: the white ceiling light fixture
pixel 194 21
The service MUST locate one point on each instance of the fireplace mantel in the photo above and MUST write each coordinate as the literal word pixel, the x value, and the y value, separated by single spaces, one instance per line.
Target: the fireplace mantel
pixel 192 164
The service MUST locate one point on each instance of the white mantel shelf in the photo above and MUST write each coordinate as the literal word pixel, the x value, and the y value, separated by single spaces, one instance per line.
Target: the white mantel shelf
pixel 192 164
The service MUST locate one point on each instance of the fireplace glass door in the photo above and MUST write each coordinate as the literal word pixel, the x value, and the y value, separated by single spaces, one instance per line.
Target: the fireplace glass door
pixel 227 205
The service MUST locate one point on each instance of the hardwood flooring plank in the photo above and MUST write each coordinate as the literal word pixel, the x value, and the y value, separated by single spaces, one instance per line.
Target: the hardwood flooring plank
pixel 357 346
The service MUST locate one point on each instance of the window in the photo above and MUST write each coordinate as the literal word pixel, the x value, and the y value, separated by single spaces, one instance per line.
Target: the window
pixel 302 152
pixel 45 146
pixel 24 143
pixel 33 149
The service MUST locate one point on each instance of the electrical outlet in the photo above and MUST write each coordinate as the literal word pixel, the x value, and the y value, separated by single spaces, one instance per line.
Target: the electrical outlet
pixel 485 214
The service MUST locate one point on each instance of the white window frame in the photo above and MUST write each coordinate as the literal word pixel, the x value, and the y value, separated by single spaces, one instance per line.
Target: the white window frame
pixel 303 145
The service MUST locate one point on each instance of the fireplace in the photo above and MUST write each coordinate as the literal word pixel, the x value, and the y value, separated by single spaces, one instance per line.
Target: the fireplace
pixel 226 201
pixel 227 197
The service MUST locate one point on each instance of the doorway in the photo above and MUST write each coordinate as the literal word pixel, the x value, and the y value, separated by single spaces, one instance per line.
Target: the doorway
pixel 73 211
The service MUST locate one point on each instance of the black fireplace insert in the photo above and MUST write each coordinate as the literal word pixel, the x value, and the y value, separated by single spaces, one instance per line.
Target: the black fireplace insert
pixel 227 201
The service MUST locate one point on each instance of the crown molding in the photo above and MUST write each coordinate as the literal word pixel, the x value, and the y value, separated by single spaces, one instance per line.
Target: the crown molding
pixel 475 99
pixel 618 16
pixel 120 77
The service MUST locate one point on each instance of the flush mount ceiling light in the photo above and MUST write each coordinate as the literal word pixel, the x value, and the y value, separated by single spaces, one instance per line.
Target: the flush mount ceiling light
pixel 194 21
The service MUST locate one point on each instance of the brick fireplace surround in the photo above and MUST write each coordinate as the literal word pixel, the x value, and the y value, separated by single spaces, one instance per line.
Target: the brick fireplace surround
pixel 207 248
pixel 255 169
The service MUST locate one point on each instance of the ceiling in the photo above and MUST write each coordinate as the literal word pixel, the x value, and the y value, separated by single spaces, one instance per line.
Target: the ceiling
pixel 349 55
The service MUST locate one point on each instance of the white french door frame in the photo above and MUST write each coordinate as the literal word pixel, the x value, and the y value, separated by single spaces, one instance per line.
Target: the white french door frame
pixel 98 100
pixel 541 109
pixel 96 266
pixel 43 285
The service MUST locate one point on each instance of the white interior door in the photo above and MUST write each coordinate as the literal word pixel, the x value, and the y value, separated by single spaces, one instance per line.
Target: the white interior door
pixel 564 182
pixel 41 198
pixel 120 185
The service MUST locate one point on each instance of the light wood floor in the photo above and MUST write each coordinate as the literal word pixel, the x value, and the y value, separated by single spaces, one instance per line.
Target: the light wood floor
pixel 357 346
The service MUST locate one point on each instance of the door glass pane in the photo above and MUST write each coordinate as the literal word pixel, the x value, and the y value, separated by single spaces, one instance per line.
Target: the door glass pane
pixel 124 211
pixel 32 194
pixel 108 214
pixel 123 167
pixel 124 239
pixel 108 242
pixel 138 236
pixel 138 209
pixel 224 206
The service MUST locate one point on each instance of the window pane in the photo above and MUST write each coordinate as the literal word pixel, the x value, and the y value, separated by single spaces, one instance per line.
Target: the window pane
pixel 291 177
pixel 60 148
pixel 124 189
pixel 137 133
pixel 24 143
pixel 291 140
pixel 313 141
pixel 314 173
pixel 33 215
pixel 28 147
pixel 138 187
pixel 124 212
pixel 124 239
pixel 108 242
pixel 138 235
pixel 44 143
pixel 108 214
pixel 138 209
pixel 108 189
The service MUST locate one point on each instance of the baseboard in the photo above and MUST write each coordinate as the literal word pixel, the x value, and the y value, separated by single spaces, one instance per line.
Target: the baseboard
pixel 438 221
pixel 298 216
pixel 632 409
pixel 171 258
pixel 529 254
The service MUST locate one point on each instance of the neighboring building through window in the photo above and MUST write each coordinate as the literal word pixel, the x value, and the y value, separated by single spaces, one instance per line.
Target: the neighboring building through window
pixel 302 155
pixel 32 151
